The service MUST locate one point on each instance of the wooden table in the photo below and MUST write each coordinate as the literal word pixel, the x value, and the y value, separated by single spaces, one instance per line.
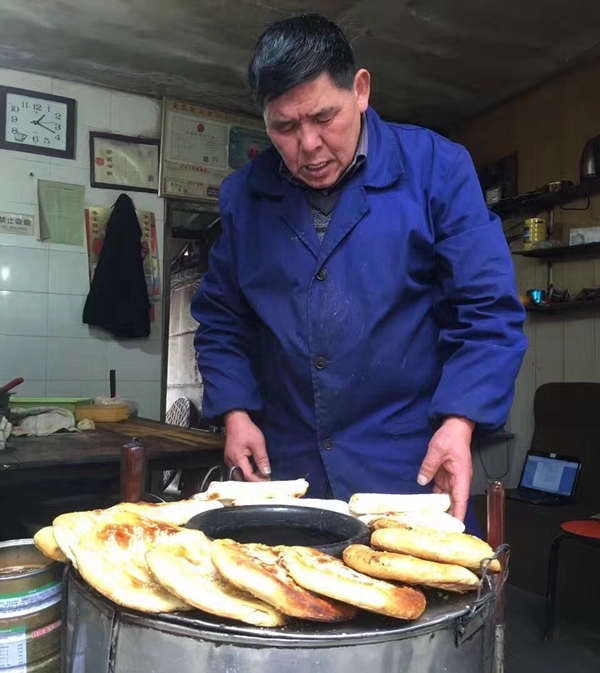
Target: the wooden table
pixel 96 454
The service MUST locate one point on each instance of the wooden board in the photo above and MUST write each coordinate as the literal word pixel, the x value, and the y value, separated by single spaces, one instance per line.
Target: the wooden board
pixel 166 444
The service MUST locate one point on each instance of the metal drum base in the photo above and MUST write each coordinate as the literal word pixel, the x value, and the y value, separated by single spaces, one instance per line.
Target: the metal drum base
pixel 100 637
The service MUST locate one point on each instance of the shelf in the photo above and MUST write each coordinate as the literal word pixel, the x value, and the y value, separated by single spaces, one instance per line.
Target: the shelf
pixel 543 202
pixel 562 251
pixel 560 307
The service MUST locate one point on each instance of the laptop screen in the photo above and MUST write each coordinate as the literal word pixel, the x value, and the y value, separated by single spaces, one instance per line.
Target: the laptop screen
pixel 551 475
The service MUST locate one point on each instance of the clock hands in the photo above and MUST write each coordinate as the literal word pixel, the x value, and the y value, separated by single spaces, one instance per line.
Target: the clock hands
pixel 38 122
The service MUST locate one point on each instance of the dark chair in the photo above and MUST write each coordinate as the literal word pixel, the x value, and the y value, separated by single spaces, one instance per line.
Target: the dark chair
pixel 566 421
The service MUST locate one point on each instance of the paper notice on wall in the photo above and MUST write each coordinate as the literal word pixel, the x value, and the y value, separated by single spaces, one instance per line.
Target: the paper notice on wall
pixel 61 212
pixel 201 143
pixel 96 220
pixel 17 223
pixel 201 147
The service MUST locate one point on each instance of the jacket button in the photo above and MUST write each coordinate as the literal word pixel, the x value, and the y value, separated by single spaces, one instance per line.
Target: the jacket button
pixel 328 444
pixel 320 363
pixel 322 273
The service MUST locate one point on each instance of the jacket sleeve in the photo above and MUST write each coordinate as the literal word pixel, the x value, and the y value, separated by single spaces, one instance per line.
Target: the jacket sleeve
pixel 480 315
pixel 227 334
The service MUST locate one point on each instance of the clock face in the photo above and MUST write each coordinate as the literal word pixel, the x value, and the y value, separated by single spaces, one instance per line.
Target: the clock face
pixel 36 122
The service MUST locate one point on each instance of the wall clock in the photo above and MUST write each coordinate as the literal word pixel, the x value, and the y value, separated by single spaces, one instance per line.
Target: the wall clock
pixel 38 123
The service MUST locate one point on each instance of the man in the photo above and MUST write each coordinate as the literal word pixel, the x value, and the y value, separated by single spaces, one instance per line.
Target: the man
pixel 359 316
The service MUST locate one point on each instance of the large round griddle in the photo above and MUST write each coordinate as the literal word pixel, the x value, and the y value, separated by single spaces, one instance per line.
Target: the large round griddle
pixel 443 610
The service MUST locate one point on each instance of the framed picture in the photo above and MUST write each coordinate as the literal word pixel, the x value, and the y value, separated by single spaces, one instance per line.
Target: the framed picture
pixel 37 123
pixel 128 163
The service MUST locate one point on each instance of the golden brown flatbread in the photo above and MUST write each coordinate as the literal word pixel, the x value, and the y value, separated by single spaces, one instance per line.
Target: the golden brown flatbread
pixel 111 557
pixel 455 548
pixel 328 576
pixel 183 566
pixel 256 568
pixel 410 570
pixel 68 528
pixel 177 513
pixel 45 541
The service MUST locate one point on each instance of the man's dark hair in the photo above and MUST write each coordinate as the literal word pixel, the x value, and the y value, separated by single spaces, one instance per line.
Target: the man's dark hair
pixel 298 50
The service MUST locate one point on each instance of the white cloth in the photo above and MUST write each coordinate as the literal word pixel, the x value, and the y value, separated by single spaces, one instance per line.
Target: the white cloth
pixel 5 430
pixel 42 421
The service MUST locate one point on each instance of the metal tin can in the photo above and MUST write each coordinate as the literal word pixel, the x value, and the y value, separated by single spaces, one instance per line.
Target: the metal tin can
pixel 534 231
pixel 30 609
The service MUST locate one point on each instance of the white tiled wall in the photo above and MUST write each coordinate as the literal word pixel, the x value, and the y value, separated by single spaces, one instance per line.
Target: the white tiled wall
pixel 43 286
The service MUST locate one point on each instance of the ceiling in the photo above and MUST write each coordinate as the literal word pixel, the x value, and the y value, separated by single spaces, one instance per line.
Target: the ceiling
pixel 433 62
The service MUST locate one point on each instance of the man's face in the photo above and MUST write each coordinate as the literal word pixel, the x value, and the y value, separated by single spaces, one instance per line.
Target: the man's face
pixel 315 127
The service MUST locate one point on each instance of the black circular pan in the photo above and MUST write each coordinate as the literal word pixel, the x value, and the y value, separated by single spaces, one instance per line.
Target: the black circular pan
pixel 327 531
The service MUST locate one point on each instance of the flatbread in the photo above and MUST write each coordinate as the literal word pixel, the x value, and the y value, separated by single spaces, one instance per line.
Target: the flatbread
pixel 316 503
pixel 111 557
pixel 328 576
pixel 455 548
pixel 183 566
pixel 379 503
pixel 229 491
pixel 45 541
pixel 410 570
pixel 441 521
pixel 68 528
pixel 177 513
pixel 256 568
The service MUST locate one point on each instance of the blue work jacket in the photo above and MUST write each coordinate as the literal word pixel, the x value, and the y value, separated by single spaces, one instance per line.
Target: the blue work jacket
pixel 348 353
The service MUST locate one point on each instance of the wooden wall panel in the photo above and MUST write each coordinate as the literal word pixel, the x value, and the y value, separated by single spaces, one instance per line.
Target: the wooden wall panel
pixel 520 420
pixel 580 349
pixel 548 128
pixel 549 350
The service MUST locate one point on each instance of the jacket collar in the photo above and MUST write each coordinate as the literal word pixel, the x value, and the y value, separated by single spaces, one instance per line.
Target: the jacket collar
pixel 383 167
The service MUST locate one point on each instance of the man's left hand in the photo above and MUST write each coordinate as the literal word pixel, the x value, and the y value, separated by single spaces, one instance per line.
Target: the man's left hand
pixel 448 463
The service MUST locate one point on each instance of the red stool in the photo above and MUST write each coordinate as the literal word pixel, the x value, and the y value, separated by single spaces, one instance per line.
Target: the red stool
pixel 587 532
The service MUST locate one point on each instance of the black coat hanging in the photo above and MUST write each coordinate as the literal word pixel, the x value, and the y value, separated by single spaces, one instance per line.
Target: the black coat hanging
pixel 118 298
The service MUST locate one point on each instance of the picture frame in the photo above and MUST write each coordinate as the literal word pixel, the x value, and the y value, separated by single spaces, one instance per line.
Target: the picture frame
pixel 126 163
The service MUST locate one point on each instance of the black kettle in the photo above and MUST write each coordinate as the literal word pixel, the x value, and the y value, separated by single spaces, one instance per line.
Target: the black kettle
pixel 589 166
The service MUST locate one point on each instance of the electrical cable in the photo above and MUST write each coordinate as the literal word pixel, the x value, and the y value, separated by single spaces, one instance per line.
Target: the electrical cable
pixel 584 208
pixel 487 474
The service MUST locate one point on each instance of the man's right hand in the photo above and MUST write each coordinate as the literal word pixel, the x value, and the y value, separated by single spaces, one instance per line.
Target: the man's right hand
pixel 244 441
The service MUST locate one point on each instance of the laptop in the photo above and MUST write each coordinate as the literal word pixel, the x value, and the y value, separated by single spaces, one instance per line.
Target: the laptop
pixel 547 479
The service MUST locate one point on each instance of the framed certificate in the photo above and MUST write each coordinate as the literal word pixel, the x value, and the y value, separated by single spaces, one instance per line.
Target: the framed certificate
pixel 201 147
pixel 128 163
